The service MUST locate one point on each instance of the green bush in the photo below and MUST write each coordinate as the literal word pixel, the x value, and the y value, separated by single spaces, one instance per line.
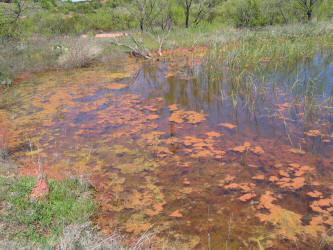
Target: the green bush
pixel 248 14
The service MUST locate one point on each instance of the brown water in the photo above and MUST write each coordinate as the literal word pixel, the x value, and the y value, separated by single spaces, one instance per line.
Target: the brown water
pixel 168 151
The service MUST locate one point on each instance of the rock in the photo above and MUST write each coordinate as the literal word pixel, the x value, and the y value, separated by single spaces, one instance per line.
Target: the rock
pixel 176 214
pixel 41 189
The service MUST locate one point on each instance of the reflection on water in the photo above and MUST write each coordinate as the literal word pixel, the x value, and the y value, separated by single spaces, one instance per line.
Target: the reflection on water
pixel 171 148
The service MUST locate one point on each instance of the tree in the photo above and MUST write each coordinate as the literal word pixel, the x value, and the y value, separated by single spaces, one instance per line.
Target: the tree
pixel 187 7
pixel 202 8
pixel 12 12
pixel 308 6
pixel 145 11
pixel 10 15
pixel 165 19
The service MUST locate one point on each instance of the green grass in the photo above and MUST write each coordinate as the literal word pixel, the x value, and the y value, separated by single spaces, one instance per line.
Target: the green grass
pixel 246 65
pixel 60 220
pixel 69 201
pixel 41 53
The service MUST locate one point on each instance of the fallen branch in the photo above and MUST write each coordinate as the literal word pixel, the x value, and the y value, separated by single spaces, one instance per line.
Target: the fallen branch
pixel 138 50
pixel 160 40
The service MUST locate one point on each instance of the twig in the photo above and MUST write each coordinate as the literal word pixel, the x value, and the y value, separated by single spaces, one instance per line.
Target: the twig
pixel 287 131
pixel 229 229
pixel 41 174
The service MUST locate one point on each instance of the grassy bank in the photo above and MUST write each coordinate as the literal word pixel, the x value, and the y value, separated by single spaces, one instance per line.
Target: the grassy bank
pixel 63 52
pixel 60 220
pixel 41 222
pixel 260 55
pixel 281 57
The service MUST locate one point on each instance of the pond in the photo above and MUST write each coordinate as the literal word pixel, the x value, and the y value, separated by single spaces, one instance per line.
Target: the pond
pixel 173 151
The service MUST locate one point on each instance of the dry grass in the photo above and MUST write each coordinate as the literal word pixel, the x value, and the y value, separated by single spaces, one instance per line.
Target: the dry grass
pixel 7 166
pixel 79 53
pixel 83 236
pixel 39 54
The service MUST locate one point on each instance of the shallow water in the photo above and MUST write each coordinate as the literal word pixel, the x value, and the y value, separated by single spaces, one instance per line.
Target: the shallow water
pixel 169 151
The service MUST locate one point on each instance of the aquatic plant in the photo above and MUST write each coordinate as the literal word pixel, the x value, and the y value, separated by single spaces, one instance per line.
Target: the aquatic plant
pixel 244 70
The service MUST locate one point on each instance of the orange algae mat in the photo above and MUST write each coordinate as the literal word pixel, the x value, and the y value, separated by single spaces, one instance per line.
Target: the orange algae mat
pixel 166 155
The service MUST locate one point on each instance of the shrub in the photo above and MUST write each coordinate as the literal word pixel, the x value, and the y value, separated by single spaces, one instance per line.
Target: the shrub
pixel 80 53
pixel 248 14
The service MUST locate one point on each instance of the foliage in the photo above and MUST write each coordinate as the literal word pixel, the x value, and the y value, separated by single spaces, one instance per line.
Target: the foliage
pixel 22 18
pixel 144 11
pixel 10 15
pixel 252 13
pixel 196 9
pixel 307 7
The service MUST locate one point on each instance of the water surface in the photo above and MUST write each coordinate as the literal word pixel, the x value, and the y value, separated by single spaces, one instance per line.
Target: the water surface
pixel 169 150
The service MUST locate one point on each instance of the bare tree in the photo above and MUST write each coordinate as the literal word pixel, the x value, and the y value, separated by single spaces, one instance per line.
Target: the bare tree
pixel 145 11
pixel 164 16
pixel 187 4
pixel 308 6
pixel 204 7
pixel 166 21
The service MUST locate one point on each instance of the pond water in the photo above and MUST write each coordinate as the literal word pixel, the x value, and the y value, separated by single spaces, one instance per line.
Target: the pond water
pixel 171 151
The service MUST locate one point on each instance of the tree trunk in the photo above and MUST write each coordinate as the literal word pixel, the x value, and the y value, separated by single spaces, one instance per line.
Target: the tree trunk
pixel 141 25
pixel 187 17
pixel 310 9
pixel 309 14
